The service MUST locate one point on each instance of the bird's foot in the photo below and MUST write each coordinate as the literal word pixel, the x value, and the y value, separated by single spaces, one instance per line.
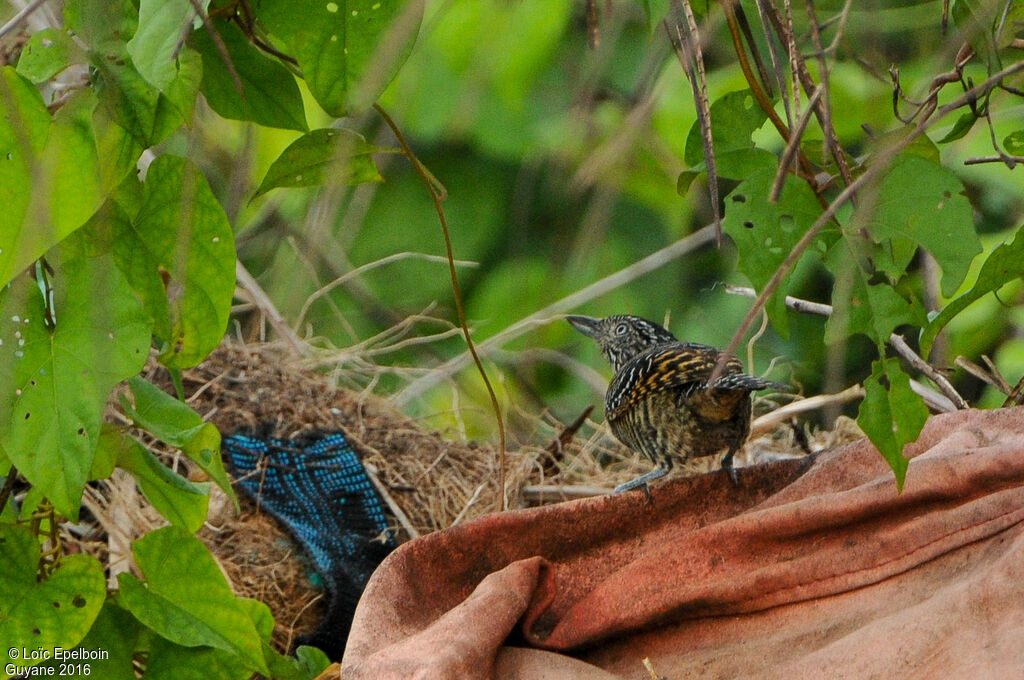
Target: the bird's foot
pixel 641 482
pixel 730 469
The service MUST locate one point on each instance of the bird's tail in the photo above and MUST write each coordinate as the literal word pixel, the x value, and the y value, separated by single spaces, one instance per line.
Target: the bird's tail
pixel 750 383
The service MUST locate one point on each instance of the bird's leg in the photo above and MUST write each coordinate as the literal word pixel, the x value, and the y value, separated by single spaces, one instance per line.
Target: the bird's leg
pixel 728 466
pixel 641 481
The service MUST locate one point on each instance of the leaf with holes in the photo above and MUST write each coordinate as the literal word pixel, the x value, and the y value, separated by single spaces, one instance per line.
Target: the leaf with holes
pixel 336 44
pixel 116 632
pixel 328 156
pixel 178 253
pixel 874 309
pixel 186 599
pixel 921 203
pixel 54 383
pixel 56 611
pixel 1003 265
pixel 766 232
pixel 734 118
pixel 270 96
pixel 892 414
pixel 49 172
pixel 46 54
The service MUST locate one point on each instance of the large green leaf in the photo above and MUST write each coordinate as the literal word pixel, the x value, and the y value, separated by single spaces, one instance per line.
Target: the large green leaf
pixel 766 232
pixel 116 633
pixel 174 423
pixel 44 614
pixel 891 414
pixel 336 45
pixel 46 54
pixel 270 96
pixel 1004 264
pixel 138 107
pixel 178 253
pixel 921 203
pixel 327 156
pixel 49 172
pixel 734 118
pixel 186 599
pixel 155 44
pixel 874 309
pixel 182 502
pixel 54 383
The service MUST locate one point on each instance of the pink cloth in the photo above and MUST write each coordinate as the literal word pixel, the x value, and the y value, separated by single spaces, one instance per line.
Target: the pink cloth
pixel 825 574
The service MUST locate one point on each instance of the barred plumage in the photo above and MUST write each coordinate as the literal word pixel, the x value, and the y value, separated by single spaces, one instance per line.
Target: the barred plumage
pixel 659 401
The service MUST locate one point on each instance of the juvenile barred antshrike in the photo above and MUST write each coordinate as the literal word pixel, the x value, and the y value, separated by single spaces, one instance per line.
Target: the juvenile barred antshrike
pixel 660 402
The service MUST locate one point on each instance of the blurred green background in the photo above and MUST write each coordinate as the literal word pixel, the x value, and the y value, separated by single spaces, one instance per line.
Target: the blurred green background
pixel 560 163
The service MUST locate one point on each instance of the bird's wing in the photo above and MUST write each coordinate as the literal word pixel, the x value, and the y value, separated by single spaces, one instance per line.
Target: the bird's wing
pixel 676 366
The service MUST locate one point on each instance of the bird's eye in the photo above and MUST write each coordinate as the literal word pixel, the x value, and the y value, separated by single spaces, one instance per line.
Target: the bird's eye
pixel 622 329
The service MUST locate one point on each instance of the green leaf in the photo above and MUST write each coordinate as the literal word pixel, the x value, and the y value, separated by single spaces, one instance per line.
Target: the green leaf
pixel 54 612
pixel 734 118
pixel 46 54
pixel 182 502
pixel 186 599
pixel 336 45
pixel 138 107
pixel 175 423
pixel 962 126
pixel 270 96
pixel 327 156
pixel 155 42
pixel 1014 142
pixel 49 172
pixel 169 661
pixel 1005 263
pixel 891 414
pixel 102 24
pixel 54 384
pixel 921 203
pixel 766 232
pixel 116 632
pixel 165 417
pixel 875 310
pixel 178 253
pixel 106 452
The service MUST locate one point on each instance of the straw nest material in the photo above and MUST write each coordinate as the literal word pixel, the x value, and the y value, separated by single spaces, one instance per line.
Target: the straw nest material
pixel 429 480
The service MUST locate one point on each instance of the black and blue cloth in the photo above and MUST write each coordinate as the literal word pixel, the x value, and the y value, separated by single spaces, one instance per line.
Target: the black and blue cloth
pixel 317 488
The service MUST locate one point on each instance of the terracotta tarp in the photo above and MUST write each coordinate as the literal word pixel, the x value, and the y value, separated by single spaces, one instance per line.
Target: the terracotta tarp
pixel 811 569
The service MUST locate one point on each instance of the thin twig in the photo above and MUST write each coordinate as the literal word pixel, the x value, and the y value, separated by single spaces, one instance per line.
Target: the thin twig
pixel 903 349
pixel 554 311
pixel 793 146
pixel 685 41
pixel 16 20
pixel 949 401
pixel 881 163
pixel 769 421
pixel 257 296
pixel 222 49
pixel 437 195
pixel 395 508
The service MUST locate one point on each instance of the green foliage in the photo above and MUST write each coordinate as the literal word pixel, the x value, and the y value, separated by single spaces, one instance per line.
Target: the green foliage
pixel 891 414
pixel 97 266
pixel 269 95
pixel 56 611
pixel 54 381
pixel 323 157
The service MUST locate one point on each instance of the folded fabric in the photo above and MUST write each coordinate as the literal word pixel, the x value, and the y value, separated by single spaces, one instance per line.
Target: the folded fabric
pixel 798 573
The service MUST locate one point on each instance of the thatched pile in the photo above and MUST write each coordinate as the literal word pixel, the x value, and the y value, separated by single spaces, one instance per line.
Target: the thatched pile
pixel 430 480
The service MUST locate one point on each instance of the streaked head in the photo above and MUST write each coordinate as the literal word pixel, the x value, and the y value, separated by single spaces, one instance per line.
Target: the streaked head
pixel 622 336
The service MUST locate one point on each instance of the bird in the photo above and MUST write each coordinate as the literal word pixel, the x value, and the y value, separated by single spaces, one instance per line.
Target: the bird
pixel 661 400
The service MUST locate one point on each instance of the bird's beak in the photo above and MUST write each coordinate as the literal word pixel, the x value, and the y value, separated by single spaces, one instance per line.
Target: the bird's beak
pixel 587 325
